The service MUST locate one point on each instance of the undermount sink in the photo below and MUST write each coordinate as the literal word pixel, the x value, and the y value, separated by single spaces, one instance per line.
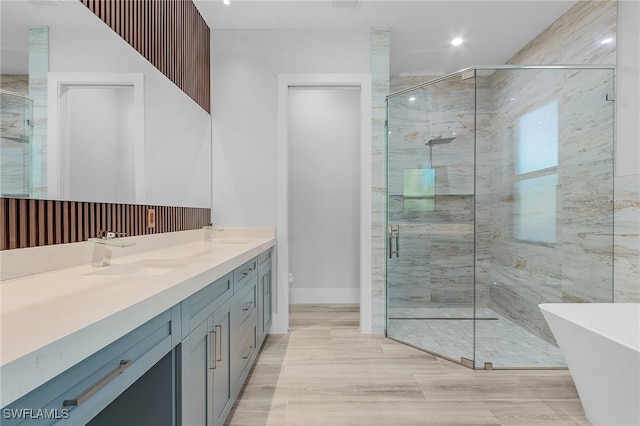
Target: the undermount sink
pixel 230 240
pixel 147 267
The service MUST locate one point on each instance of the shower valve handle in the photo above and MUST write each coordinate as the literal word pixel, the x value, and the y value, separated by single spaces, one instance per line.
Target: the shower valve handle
pixel 394 233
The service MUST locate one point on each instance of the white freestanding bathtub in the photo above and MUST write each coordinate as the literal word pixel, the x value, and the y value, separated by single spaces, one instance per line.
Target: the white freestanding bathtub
pixel 601 345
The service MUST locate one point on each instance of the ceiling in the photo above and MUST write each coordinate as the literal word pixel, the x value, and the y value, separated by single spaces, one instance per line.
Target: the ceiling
pixel 421 30
pixel 16 16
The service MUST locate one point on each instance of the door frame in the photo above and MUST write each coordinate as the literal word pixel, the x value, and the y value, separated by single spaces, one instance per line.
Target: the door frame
pixel 281 296
pixel 58 143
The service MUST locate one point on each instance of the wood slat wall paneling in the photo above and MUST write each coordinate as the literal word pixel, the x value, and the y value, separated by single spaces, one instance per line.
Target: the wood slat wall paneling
pixel 29 223
pixel 57 222
pixel 13 231
pixel 171 34
pixel 73 219
pixel 4 228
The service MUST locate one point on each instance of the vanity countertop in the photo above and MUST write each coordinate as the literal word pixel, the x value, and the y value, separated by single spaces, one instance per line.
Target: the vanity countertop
pixel 52 320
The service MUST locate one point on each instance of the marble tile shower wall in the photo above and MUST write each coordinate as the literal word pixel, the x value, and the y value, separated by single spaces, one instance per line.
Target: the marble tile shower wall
pixel 570 40
pixel 38 75
pixel 380 67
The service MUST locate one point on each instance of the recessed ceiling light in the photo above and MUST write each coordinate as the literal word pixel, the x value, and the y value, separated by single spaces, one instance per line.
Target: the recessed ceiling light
pixel 606 40
pixel 457 41
pixel 226 2
pixel 413 98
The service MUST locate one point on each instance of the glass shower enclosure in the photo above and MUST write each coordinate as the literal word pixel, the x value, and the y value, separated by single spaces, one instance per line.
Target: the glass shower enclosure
pixel 16 135
pixel 499 197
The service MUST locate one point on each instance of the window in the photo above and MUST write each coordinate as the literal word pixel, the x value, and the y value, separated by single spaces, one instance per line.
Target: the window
pixel 537 174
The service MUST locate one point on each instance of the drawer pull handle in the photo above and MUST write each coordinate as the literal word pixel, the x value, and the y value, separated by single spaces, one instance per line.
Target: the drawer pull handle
pixel 124 364
pixel 219 343
pixel 247 306
pixel 248 352
pixel 213 349
pixel 266 285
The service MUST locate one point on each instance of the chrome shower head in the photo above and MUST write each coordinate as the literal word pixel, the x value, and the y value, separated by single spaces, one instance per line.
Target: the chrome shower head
pixel 438 140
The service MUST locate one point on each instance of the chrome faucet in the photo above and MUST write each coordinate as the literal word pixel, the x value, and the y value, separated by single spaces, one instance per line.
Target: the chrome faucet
pixel 208 231
pixel 110 235
pixel 101 253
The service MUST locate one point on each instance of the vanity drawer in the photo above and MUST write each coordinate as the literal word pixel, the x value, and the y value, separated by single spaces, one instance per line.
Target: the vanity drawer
pixel 244 306
pixel 199 306
pixel 80 393
pixel 243 354
pixel 244 274
pixel 265 257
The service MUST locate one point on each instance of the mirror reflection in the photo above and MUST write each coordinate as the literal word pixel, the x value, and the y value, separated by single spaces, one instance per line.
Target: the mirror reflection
pixel 166 161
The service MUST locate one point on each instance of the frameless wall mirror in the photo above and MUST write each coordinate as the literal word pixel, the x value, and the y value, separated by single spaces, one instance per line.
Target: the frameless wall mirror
pixel 161 155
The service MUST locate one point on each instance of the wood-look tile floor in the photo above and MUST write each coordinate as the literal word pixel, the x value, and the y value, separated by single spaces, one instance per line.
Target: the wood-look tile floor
pixel 325 372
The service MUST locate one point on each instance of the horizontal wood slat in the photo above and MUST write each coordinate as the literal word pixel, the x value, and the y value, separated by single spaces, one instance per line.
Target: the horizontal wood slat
pixel 30 223
pixel 171 34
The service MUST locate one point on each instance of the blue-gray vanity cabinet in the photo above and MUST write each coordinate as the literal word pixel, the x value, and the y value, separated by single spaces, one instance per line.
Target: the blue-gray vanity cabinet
pixel 79 394
pixel 205 383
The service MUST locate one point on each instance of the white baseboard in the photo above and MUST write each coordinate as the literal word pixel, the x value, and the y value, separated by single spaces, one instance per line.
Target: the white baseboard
pixel 323 295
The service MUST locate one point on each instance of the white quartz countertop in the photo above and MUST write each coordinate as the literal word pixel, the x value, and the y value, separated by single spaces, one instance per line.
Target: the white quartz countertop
pixel 51 321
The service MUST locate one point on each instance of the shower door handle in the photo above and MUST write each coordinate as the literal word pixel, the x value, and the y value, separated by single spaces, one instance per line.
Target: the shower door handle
pixel 394 234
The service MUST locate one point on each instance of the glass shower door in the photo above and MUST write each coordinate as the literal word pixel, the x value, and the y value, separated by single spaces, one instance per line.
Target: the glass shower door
pixel 430 204
pixel 544 205
pixel 16 134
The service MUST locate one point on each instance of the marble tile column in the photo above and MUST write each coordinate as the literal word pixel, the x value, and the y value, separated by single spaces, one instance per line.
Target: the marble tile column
pixel 38 70
pixel 380 68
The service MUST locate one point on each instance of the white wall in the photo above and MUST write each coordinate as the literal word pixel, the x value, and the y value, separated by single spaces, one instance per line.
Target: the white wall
pixel 244 68
pixel 101 145
pixel 324 194
pixel 628 93
pixel 627 183
pixel 177 130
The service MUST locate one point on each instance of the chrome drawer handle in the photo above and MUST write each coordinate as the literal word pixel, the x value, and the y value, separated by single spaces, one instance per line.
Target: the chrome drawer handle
pixel 212 350
pixel 124 364
pixel 248 352
pixel 219 343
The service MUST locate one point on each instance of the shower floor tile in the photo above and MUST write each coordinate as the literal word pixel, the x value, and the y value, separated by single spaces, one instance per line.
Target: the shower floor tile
pixel 498 340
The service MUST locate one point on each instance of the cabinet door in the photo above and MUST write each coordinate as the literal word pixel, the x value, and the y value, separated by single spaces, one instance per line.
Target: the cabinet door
pixel 195 377
pixel 267 312
pixel 264 297
pixel 222 400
